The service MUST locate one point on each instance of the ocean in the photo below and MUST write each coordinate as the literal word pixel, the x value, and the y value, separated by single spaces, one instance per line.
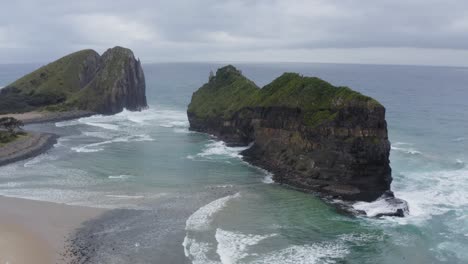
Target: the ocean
pixel 185 197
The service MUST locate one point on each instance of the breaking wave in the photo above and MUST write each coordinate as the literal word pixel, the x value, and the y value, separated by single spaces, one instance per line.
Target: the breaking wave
pixel 219 150
pixel 433 193
pixel 95 147
pixel 233 246
pixel 201 219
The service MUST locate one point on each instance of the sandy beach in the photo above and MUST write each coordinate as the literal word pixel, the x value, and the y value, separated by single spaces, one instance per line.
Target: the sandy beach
pixel 35 231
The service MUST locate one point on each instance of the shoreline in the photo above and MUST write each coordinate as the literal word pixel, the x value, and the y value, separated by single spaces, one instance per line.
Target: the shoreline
pixel 36 117
pixel 35 143
pixel 30 146
pixel 36 231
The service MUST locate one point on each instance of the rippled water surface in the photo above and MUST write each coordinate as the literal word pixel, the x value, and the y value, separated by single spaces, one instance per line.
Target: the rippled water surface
pixel 168 182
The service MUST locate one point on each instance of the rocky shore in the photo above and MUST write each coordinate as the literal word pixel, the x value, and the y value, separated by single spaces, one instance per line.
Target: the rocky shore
pixel 78 85
pixel 28 146
pixel 311 135
pixel 35 143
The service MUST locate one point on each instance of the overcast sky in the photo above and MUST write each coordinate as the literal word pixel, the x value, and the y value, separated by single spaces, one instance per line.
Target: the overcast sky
pixel 431 32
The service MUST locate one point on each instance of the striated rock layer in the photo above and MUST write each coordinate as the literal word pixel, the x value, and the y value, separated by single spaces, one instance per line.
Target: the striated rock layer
pixel 80 81
pixel 310 134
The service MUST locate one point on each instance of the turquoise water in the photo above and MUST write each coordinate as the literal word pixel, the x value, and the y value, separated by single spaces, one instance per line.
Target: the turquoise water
pixel 219 209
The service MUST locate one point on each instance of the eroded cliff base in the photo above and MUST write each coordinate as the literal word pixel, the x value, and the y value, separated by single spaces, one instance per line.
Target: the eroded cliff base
pixel 311 135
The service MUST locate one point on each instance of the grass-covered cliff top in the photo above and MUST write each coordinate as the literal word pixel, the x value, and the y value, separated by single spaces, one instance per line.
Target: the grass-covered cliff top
pixel 229 91
pixel 224 94
pixel 75 81
pixel 50 84
pixel 58 76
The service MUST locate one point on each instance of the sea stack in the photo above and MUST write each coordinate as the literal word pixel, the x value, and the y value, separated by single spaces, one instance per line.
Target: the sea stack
pixel 312 135
pixel 81 81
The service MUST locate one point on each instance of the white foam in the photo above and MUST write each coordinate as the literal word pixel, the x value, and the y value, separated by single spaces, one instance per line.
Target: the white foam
pixel 202 218
pixel 197 251
pixel 377 207
pixel 84 149
pixel 120 177
pixel 103 125
pixel 140 117
pixel 233 246
pixel 67 123
pixel 325 252
pixel 219 149
pixel 268 179
pixel 432 193
pixel 176 123
pixel 96 147
pixel 459 139
pixel 98 134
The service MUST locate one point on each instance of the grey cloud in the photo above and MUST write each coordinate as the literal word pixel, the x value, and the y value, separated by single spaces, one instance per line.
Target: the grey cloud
pixel 189 30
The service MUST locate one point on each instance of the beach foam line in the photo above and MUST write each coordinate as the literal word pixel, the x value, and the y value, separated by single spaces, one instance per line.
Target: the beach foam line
pixel 233 246
pixel 96 147
pixel 198 251
pixel 202 218
pixel 325 252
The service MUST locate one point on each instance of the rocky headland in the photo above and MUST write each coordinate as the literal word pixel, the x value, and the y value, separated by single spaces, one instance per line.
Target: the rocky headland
pixel 312 135
pixel 78 85
pixel 81 81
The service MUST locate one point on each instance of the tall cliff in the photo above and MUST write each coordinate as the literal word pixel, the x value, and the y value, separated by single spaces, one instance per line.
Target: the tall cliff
pixel 310 134
pixel 80 81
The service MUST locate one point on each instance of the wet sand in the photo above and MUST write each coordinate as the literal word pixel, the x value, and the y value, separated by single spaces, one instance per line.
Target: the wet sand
pixel 36 231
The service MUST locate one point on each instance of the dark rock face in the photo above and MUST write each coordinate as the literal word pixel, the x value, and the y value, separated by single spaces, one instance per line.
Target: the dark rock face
pixel 347 157
pixel 118 83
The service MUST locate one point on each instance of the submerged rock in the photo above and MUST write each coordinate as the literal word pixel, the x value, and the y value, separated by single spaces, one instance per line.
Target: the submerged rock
pixel 310 134
pixel 80 81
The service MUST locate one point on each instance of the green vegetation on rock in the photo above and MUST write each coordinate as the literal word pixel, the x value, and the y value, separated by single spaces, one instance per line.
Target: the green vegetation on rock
pixel 83 80
pixel 229 91
pixel 10 130
pixel 49 85
pixel 224 94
